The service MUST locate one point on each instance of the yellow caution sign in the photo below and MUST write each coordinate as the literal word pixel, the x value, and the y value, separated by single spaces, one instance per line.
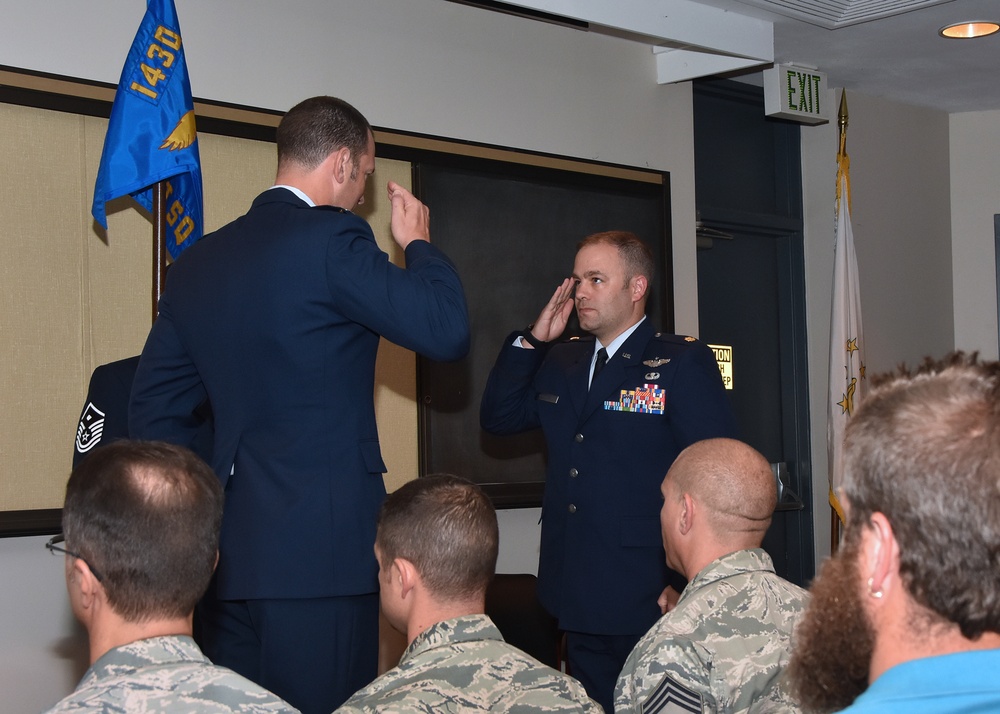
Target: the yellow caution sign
pixel 724 357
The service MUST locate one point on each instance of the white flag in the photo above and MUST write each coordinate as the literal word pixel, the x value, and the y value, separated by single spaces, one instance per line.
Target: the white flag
pixel 847 361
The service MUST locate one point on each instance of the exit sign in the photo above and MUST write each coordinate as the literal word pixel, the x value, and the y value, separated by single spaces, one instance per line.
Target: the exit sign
pixel 795 93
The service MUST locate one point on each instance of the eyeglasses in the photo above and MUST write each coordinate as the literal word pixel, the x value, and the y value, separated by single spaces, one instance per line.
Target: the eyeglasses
pixel 53 548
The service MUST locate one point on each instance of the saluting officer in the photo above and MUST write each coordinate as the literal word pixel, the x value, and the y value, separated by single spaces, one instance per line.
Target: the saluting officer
pixel 615 410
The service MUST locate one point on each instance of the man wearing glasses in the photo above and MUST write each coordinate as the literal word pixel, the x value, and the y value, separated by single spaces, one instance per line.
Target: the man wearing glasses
pixel 141 523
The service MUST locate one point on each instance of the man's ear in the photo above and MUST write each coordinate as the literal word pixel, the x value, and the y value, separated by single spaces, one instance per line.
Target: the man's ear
pixel 343 166
pixel 337 165
pixel 687 513
pixel 879 555
pixel 405 576
pixel 86 583
pixel 639 287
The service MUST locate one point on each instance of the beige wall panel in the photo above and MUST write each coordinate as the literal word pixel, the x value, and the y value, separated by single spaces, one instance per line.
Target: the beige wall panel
pixel 41 191
pixel 396 368
pixel 234 171
pixel 118 298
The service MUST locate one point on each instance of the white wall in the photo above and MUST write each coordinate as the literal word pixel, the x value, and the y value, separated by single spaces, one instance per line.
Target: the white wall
pixel 901 217
pixel 975 199
pixel 42 649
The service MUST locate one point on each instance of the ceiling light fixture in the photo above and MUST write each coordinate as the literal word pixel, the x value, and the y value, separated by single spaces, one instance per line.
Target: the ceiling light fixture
pixel 968 30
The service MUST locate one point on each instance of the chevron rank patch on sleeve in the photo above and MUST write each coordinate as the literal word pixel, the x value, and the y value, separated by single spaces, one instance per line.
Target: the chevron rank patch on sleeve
pixel 669 697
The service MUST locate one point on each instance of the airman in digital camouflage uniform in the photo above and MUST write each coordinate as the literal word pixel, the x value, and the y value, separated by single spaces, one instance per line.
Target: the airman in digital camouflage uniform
pixel 141 523
pixel 437 548
pixel 725 645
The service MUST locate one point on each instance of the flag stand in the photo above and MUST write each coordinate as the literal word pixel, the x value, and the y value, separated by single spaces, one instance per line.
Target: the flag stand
pixel 159 245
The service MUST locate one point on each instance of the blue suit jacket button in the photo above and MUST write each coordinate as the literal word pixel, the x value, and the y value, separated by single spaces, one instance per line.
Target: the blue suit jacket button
pixel 572 508
pixel 578 438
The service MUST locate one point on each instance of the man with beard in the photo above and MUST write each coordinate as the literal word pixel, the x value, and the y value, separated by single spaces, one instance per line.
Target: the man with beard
pixel 725 645
pixel 907 614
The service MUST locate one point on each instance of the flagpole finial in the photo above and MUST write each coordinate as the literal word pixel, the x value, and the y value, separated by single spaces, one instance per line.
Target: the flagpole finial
pixel 842 123
pixel 842 117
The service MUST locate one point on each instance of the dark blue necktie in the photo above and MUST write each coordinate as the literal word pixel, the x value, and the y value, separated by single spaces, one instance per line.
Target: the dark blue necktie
pixel 599 361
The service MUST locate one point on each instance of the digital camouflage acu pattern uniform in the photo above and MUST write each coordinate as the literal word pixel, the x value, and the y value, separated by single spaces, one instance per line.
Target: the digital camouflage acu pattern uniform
pixel 166 675
pixel 463 665
pixel 723 648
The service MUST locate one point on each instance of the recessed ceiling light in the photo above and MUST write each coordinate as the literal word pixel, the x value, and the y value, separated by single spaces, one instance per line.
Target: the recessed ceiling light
pixel 969 30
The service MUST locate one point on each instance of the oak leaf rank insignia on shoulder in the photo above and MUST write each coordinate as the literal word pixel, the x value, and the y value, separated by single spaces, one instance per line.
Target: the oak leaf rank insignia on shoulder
pixel 672 338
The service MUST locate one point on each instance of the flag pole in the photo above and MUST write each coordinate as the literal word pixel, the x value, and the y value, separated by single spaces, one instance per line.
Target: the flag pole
pixel 843 120
pixel 159 245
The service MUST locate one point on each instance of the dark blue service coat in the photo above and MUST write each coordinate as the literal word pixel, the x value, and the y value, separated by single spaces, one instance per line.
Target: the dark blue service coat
pixel 276 318
pixel 104 418
pixel 602 565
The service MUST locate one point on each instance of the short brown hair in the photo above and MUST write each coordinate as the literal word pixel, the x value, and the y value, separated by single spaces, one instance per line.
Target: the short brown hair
pixel 924 450
pixel 447 527
pixel 635 255
pixel 316 127
pixel 146 516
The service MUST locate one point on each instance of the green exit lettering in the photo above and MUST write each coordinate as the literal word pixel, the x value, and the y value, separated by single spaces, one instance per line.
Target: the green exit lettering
pixel 803 92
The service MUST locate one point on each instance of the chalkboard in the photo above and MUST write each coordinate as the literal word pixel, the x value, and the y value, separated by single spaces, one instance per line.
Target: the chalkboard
pixel 512 231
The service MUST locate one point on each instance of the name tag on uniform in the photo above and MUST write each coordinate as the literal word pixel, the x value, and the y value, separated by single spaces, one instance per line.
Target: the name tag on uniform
pixel 550 398
pixel 647 399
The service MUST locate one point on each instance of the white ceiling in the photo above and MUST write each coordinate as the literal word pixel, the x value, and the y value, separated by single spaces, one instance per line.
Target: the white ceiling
pixel 885 48
pixel 901 57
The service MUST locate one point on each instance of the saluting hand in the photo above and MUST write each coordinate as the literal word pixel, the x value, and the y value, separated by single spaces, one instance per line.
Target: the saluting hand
pixel 411 219
pixel 554 316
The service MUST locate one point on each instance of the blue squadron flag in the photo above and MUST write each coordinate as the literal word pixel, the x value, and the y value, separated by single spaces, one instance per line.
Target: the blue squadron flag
pixel 151 134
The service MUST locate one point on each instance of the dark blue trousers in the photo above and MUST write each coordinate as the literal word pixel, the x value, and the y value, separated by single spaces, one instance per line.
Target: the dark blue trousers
pixel 313 653
pixel 597 660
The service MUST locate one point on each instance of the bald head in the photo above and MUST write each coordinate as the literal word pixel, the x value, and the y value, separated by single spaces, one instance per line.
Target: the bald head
pixel 734 486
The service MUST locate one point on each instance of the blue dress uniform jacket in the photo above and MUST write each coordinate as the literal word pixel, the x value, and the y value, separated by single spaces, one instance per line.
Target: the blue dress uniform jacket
pixel 276 318
pixel 602 565
pixel 105 413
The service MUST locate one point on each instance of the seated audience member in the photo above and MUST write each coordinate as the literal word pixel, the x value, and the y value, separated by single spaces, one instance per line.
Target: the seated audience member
pixel 436 547
pixel 906 616
pixel 725 644
pixel 141 524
